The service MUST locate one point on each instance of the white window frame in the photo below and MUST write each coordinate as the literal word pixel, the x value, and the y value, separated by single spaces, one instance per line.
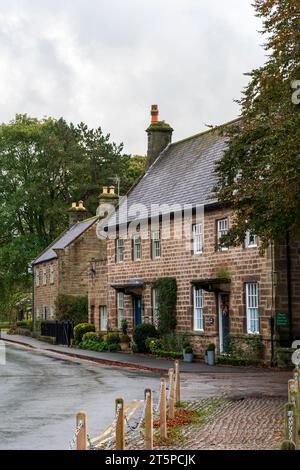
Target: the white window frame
pixel 137 248
pixel 51 275
pixel 198 309
pixel 155 315
pixel 197 239
pixel 52 312
pixel 252 307
pixel 250 240
pixel 120 307
pixel 222 230
pixel 103 309
pixel 37 278
pixel 119 250
pixel 155 244
pixel 44 277
pixel 37 313
pixel 45 312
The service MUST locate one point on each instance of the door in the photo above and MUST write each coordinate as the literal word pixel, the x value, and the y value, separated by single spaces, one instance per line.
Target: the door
pixel 103 318
pixel 223 302
pixel 137 309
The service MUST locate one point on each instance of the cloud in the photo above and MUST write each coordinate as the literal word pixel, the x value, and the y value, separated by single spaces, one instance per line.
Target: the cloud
pixel 105 63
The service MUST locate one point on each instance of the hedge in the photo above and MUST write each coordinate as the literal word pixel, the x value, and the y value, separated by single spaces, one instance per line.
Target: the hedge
pixel 141 333
pixel 70 307
pixel 80 330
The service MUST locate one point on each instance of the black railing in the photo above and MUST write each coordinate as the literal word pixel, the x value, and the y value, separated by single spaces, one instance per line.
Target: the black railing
pixel 62 331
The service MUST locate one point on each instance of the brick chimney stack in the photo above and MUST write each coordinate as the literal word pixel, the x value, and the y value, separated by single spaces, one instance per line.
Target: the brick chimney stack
pixel 159 136
pixel 77 213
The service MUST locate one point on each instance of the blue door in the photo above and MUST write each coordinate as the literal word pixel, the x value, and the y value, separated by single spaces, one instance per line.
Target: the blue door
pixel 137 308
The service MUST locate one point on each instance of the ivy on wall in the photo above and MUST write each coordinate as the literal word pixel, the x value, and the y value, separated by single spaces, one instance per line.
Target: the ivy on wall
pixel 167 297
pixel 69 307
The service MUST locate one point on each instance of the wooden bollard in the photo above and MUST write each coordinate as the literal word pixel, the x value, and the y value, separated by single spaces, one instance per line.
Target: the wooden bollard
pixel 163 410
pixel 148 419
pixel 120 431
pixel 171 391
pixel 81 439
pixel 177 383
pixel 291 428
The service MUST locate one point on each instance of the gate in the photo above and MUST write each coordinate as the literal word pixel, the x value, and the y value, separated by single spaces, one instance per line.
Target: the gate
pixel 62 331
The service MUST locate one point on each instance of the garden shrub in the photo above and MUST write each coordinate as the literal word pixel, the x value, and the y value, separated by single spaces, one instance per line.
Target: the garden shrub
pixel 113 347
pixel 80 330
pixel 238 361
pixel 171 354
pixel 153 344
pixel 283 356
pixel 113 338
pixel 174 342
pixel 246 346
pixel 167 297
pixel 141 333
pixel 27 324
pixel 70 307
pixel 92 336
pixel 94 346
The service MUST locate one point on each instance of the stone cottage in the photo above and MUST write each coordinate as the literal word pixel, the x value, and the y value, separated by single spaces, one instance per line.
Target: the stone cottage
pixel 169 225
pixel 63 267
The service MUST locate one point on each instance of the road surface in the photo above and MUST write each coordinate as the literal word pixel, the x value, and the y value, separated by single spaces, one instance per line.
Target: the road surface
pixel 40 394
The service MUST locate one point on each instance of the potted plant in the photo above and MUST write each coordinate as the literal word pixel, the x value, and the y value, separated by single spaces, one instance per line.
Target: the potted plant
pixel 124 338
pixel 211 354
pixel 188 354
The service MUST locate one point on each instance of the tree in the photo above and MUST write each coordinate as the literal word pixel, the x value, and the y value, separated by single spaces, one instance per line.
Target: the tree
pixel 260 172
pixel 44 165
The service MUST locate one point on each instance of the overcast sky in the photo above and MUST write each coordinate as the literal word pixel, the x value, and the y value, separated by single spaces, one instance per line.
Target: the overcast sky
pixel 104 62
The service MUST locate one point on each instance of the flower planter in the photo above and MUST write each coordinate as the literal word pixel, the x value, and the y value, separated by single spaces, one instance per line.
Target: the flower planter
pixel 124 346
pixel 211 358
pixel 188 357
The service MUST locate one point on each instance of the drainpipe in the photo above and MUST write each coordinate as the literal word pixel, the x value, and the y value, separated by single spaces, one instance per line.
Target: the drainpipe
pixel 289 285
pixel 272 319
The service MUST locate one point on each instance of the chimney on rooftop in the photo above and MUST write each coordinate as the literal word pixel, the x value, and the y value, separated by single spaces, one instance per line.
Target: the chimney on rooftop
pixel 77 213
pixel 108 199
pixel 159 136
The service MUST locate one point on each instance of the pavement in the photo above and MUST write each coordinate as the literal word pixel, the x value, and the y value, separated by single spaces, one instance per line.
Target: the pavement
pixel 130 360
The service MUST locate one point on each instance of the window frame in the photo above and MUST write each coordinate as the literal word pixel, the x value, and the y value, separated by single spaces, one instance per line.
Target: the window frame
pixel 37 312
pixel 135 245
pixel 154 298
pixel 119 250
pixel 101 309
pixel 198 309
pixel 44 276
pixel 247 240
pixel 45 312
pixel 221 232
pixel 37 278
pixel 120 308
pixel 51 275
pixel 198 236
pixel 155 243
pixel 252 303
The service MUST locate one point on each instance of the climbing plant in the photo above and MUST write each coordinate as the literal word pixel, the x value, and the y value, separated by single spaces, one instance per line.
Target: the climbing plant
pixel 167 297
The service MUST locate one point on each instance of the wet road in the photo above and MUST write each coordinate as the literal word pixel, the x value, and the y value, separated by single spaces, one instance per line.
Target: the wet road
pixel 40 394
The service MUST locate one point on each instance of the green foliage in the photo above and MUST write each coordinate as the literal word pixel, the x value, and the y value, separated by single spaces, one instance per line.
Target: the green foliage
pixel 92 336
pixel 27 324
pixel 260 173
pixel 80 330
pixel 94 345
pixel 113 347
pixel 170 354
pixel 113 338
pixel 211 347
pixel 70 307
pixel 141 333
pixel 247 346
pixel 174 342
pixel 238 361
pixel 167 297
pixel 153 345
pixel 188 350
pixel 124 339
pixel 124 326
pixel 283 356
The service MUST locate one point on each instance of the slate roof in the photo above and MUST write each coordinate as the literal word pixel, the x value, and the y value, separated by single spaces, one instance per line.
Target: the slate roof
pixel 182 174
pixel 68 237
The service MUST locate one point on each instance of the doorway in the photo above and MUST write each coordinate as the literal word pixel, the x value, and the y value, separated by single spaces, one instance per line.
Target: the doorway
pixel 224 326
pixel 137 310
